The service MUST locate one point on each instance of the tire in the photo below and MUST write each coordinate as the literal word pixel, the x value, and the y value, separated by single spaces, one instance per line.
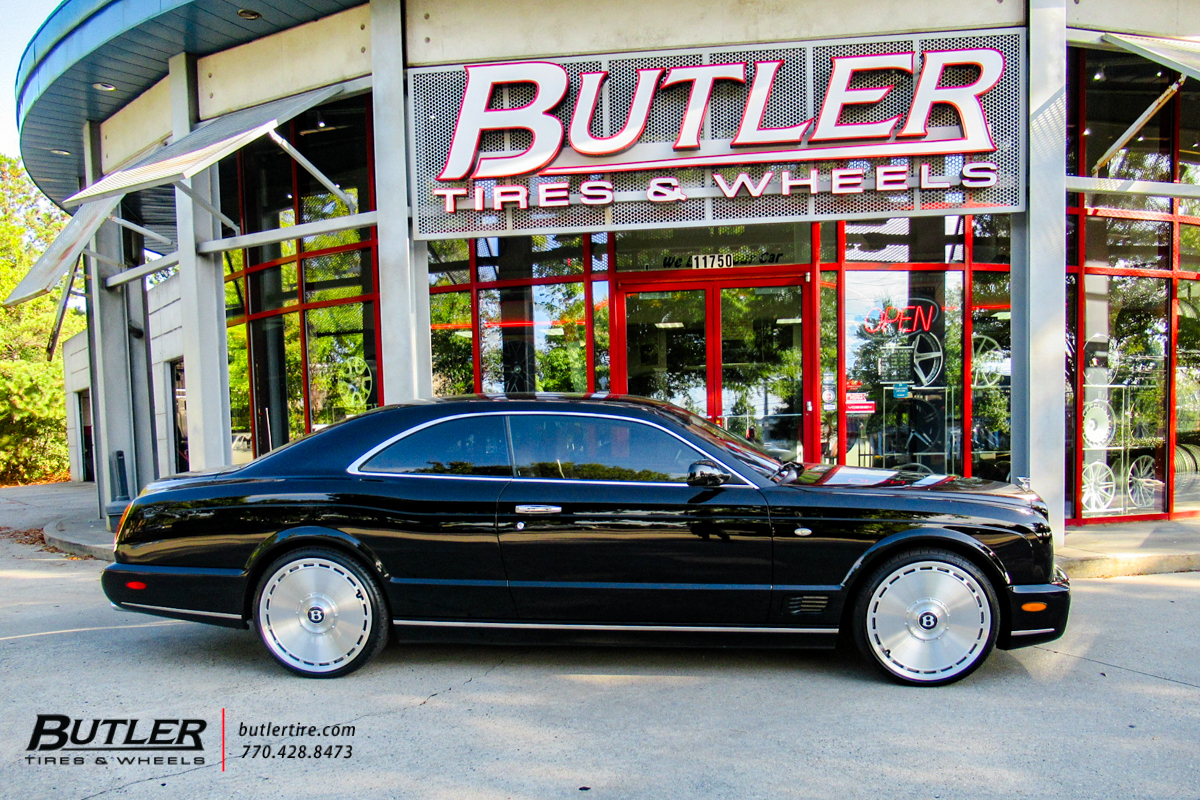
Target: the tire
pixel 926 617
pixel 320 613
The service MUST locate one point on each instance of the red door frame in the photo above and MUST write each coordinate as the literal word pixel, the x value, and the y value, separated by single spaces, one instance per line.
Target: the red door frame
pixel 712 281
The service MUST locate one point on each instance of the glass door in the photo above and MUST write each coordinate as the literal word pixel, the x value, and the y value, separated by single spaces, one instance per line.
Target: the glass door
pixel 733 353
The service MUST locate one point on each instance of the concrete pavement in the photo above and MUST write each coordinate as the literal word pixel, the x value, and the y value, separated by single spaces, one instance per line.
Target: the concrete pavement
pixel 1109 711
pixel 68 514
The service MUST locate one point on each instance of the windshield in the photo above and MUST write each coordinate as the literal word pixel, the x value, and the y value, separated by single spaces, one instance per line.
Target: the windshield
pixel 745 451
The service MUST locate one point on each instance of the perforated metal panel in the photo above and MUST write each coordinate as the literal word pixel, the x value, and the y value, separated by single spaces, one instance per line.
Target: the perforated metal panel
pixel 435 95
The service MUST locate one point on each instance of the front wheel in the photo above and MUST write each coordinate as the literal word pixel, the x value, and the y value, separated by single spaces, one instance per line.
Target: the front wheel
pixel 320 613
pixel 927 617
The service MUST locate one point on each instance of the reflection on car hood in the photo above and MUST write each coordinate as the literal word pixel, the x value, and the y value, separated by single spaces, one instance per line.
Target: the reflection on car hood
pixel 835 476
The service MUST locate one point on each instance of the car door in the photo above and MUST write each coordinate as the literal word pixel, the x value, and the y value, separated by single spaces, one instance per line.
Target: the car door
pixel 432 492
pixel 599 524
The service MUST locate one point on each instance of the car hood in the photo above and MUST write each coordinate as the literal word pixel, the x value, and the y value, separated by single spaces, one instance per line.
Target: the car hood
pixel 843 477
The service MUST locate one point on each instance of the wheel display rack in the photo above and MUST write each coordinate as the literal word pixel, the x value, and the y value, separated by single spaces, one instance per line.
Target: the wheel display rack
pixel 1120 473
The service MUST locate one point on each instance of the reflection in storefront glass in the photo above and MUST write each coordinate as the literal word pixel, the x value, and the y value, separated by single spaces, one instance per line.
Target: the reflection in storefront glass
pixel 730 246
pixel 1118 90
pixel 278 380
pixel 666 354
pixel 1124 396
pixel 1187 399
pixel 533 338
pixel 449 262
pixel 450 340
pixel 991 377
pixel 761 367
pixel 507 258
pixel 829 345
pixel 940 240
pixel 239 395
pixel 603 364
pixel 1128 243
pixel 992 239
pixel 904 370
pixel 342 368
pixel 1071 372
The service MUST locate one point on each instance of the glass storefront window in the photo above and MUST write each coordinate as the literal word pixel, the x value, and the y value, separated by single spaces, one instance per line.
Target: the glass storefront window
pixel 1124 397
pixel 337 276
pixel 343 370
pixel 1128 243
pixel 904 370
pixel 600 346
pixel 730 246
pixel 532 339
pixel 334 138
pixel 599 252
pixel 991 376
pixel 1071 373
pixel 940 240
pixel 1187 399
pixel 239 394
pixel 762 392
pixel 666 347
pixel 992 239
pixel 278 375
pixel 449 262
pixel 522 257
pixel 829 367
pixel 451 338
pixel 273 287
pixel 1119 88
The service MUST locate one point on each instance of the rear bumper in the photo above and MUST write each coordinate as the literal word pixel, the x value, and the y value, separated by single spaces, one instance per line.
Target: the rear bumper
pixel 215 596
pixel 1035 627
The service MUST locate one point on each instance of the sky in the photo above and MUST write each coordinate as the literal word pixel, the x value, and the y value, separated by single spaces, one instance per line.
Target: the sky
pixel 21 21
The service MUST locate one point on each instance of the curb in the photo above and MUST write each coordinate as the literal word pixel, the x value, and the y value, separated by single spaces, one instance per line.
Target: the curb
pixel 1116 566
pixel 98 551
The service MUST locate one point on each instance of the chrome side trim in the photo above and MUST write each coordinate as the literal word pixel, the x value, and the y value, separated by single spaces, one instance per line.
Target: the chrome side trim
pixel 1031 633
pixel 356 467
pixel 434 623
pixel 185 611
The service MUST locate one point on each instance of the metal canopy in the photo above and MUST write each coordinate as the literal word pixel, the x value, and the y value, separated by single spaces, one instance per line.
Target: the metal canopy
pixel 1181 56
pixel 203 147
pixel 59 257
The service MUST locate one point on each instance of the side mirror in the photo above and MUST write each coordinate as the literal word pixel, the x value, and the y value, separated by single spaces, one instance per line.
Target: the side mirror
pixel 706 473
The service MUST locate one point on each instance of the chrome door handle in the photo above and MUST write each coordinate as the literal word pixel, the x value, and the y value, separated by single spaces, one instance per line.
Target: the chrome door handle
pixel 539 509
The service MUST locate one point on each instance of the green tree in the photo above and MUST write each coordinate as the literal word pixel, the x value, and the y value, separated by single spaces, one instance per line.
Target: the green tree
pixel 33 442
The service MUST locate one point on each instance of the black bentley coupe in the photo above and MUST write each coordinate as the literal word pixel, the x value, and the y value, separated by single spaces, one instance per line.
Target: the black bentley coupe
pixel 587 519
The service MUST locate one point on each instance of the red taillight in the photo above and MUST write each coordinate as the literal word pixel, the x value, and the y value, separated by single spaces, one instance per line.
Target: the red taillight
pixel 135 585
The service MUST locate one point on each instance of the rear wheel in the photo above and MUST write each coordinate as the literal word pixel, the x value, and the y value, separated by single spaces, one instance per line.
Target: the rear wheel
pixel 320 613
pixel 927 617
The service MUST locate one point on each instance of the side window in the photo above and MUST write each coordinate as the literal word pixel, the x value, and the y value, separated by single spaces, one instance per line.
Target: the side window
pixel 467 446
pixel 597 448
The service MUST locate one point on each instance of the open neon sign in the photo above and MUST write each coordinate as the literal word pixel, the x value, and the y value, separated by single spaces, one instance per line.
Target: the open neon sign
pixel 918 316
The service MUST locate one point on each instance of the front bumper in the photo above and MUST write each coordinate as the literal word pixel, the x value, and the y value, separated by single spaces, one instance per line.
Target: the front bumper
pixel 1035 627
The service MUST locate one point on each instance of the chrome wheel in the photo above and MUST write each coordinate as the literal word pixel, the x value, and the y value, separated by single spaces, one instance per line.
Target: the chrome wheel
pixel 1099 486
pixel 928 618
pixel 319 613
pixel 1142 486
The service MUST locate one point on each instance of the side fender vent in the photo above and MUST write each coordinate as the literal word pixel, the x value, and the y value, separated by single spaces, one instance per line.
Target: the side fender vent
pixel 805 604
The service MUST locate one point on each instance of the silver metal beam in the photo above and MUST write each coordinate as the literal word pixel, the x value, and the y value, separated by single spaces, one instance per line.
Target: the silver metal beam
pixel 1134 129
pixel 62 310
pixel 133 226
pixel 207 206
pixel 276 235
pixel 149 268
pixel 1118 186
pixel 103 259
pixel 311 169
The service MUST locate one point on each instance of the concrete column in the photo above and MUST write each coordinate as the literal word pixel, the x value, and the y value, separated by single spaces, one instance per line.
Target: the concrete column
pixel 202 289
pixel 122 436
pixel 403 282
pixel 1039 330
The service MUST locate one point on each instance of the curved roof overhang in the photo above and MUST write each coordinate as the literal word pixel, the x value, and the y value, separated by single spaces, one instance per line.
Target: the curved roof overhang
pixel 125 43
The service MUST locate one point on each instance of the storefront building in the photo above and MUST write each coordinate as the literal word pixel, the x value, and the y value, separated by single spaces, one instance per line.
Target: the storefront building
pixel 964 243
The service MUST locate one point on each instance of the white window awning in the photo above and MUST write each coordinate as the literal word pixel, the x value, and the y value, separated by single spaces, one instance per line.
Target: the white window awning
pixel 63 252
pixel 203 147
pixel 1177 54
